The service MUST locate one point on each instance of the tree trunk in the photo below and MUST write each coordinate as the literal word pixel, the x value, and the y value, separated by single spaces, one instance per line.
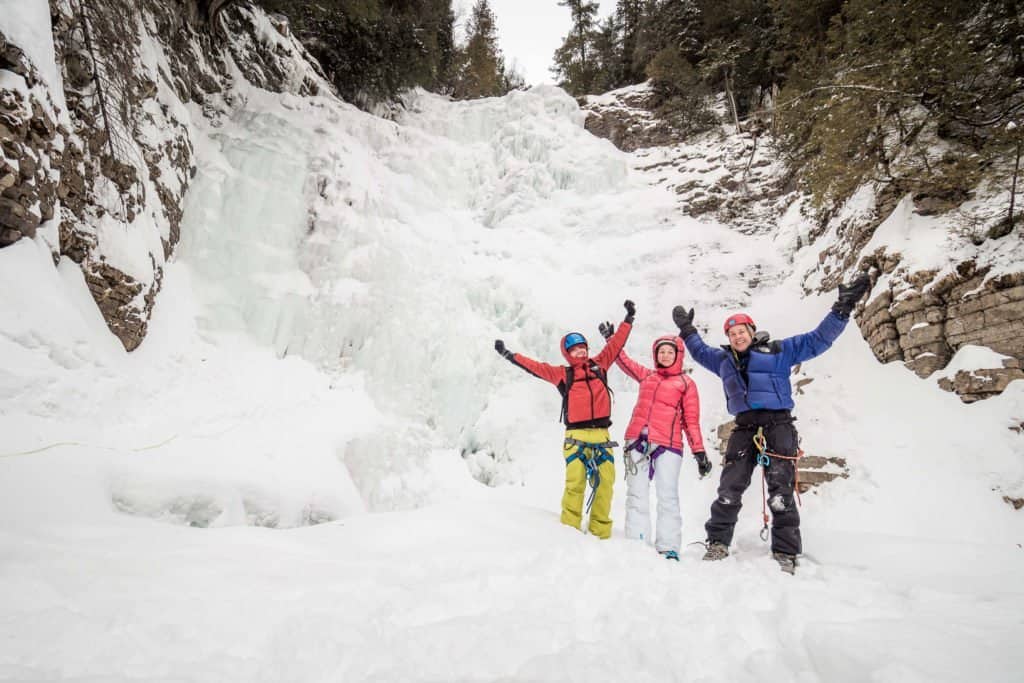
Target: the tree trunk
pixel 774 99
pixel 732 99
pixel 1013 185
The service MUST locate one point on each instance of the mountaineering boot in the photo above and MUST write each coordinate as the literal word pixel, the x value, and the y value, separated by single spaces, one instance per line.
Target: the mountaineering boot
pixel 669 554
pixel 716 551
pixel 787 563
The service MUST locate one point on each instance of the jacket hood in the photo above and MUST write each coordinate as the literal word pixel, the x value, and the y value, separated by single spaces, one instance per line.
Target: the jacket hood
pixel 565 352
pixel 677 367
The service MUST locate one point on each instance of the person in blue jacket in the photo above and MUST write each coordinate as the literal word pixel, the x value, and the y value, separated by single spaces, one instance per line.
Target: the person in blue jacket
pixel 755 373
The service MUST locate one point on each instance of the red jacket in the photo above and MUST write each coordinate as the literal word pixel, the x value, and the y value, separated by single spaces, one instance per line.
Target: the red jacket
pixel 668 403
pixel 589 403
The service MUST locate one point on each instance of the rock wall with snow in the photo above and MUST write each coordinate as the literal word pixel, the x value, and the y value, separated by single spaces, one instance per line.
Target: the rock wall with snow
pixel 97 107
pixel 944 283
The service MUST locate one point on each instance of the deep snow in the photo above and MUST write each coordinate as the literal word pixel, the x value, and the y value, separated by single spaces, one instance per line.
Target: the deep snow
pixel 322 352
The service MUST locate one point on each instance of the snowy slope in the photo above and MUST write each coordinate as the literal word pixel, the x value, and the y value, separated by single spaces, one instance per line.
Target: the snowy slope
pixel 322 352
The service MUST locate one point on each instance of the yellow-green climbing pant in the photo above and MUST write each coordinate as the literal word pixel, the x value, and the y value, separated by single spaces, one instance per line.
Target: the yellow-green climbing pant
pixel 576 485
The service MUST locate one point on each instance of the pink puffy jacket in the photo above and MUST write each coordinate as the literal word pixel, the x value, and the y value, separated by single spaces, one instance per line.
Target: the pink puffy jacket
pixel 668 403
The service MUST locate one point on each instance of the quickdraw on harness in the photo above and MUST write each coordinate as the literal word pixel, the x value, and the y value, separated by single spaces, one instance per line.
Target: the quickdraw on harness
pixel 599 454
pixel 764 459
pixel 643 446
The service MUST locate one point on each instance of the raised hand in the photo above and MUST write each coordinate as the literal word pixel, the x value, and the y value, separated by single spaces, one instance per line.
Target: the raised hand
pixel 684 321
pixel 606 329
pixel 499 346
pixel 630 310
pixel 850 294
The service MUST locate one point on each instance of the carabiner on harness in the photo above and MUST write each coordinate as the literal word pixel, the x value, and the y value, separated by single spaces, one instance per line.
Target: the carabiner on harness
pixel 761 444
pixel 640 446
pixel 599 454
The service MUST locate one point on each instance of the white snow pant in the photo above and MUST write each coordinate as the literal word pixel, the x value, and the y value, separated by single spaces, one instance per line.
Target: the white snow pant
pixel 638 500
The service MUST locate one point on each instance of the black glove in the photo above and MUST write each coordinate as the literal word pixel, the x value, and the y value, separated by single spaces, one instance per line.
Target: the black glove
pixel 684 321
pixel 703 464
pixel 630 311
pixel 850 294
pixel 499 346
pixel 606 329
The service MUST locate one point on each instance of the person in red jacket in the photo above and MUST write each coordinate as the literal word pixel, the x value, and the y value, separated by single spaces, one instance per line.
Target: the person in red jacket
pixel 667 406
pixel 586 411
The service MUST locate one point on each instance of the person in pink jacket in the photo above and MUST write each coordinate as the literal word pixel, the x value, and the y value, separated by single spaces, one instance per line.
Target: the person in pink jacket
pixel 668 405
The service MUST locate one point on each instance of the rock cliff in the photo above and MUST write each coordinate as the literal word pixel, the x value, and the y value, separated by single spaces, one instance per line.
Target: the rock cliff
pixel 97 147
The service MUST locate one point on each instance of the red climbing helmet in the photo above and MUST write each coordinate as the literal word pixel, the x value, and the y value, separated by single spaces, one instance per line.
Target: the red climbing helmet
pixel 739 319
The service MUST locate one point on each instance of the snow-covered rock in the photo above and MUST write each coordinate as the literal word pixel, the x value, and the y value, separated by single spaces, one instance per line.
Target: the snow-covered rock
pixel 943 284
pixel 99 103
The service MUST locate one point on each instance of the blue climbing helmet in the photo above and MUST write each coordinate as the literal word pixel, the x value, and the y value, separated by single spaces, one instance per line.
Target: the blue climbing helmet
pixel 573 339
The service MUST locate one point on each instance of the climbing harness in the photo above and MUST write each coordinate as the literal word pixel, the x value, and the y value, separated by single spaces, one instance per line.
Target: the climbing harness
pixel 764 459
pixel 599 454
pixel 644 447
pixel 641 446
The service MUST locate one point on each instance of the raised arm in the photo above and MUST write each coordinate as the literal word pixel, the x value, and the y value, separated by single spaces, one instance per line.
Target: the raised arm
pixel 545 371
pixel 629 366
pixel 814 343
pixel 615 343
pixel 708 357
pixel 811 344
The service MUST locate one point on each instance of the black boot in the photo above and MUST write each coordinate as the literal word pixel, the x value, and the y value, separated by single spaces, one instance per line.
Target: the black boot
pixel 787 563
pixel 716 551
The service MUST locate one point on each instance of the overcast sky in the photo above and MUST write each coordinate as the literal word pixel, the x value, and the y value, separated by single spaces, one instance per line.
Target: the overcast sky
pixel 529 32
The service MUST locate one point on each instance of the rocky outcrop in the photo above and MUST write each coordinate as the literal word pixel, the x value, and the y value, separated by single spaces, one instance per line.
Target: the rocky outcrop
pixel 113 165
pixel 732 177
pixel 626 118
pixel 924 319
pixel 27 142
pixel 919 316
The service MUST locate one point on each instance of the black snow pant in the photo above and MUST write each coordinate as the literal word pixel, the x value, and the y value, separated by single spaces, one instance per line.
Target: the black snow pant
pixel 737 468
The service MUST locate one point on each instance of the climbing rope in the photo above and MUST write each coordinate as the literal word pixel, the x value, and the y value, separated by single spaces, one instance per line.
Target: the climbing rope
pixel 764 459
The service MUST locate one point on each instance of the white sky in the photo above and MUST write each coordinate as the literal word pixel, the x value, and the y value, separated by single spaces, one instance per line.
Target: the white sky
pixel 529 32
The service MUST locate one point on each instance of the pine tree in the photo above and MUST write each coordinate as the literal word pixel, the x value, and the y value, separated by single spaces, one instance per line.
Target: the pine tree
pixel 606 52
pixel 672 24
pixel 575 65
pixel 914 93
pixel 629 15
pixel 483 66
pixel 372 49
pixel 739 39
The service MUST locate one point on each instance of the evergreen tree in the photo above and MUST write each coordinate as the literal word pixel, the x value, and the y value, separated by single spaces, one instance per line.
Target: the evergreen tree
pixel 801 32
pixel 913 93
pixel 629 15
pixel 372 49
pixel 683 98
pixel 672 24
pixel 606 52
pixel 738 40
pixel 575 65
pixel 483 71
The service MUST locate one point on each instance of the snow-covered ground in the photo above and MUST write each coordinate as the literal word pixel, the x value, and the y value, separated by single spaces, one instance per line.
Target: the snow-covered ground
pixel 284 482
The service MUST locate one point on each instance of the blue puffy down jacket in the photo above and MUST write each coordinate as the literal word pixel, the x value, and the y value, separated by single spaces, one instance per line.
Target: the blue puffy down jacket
pixel 768 367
